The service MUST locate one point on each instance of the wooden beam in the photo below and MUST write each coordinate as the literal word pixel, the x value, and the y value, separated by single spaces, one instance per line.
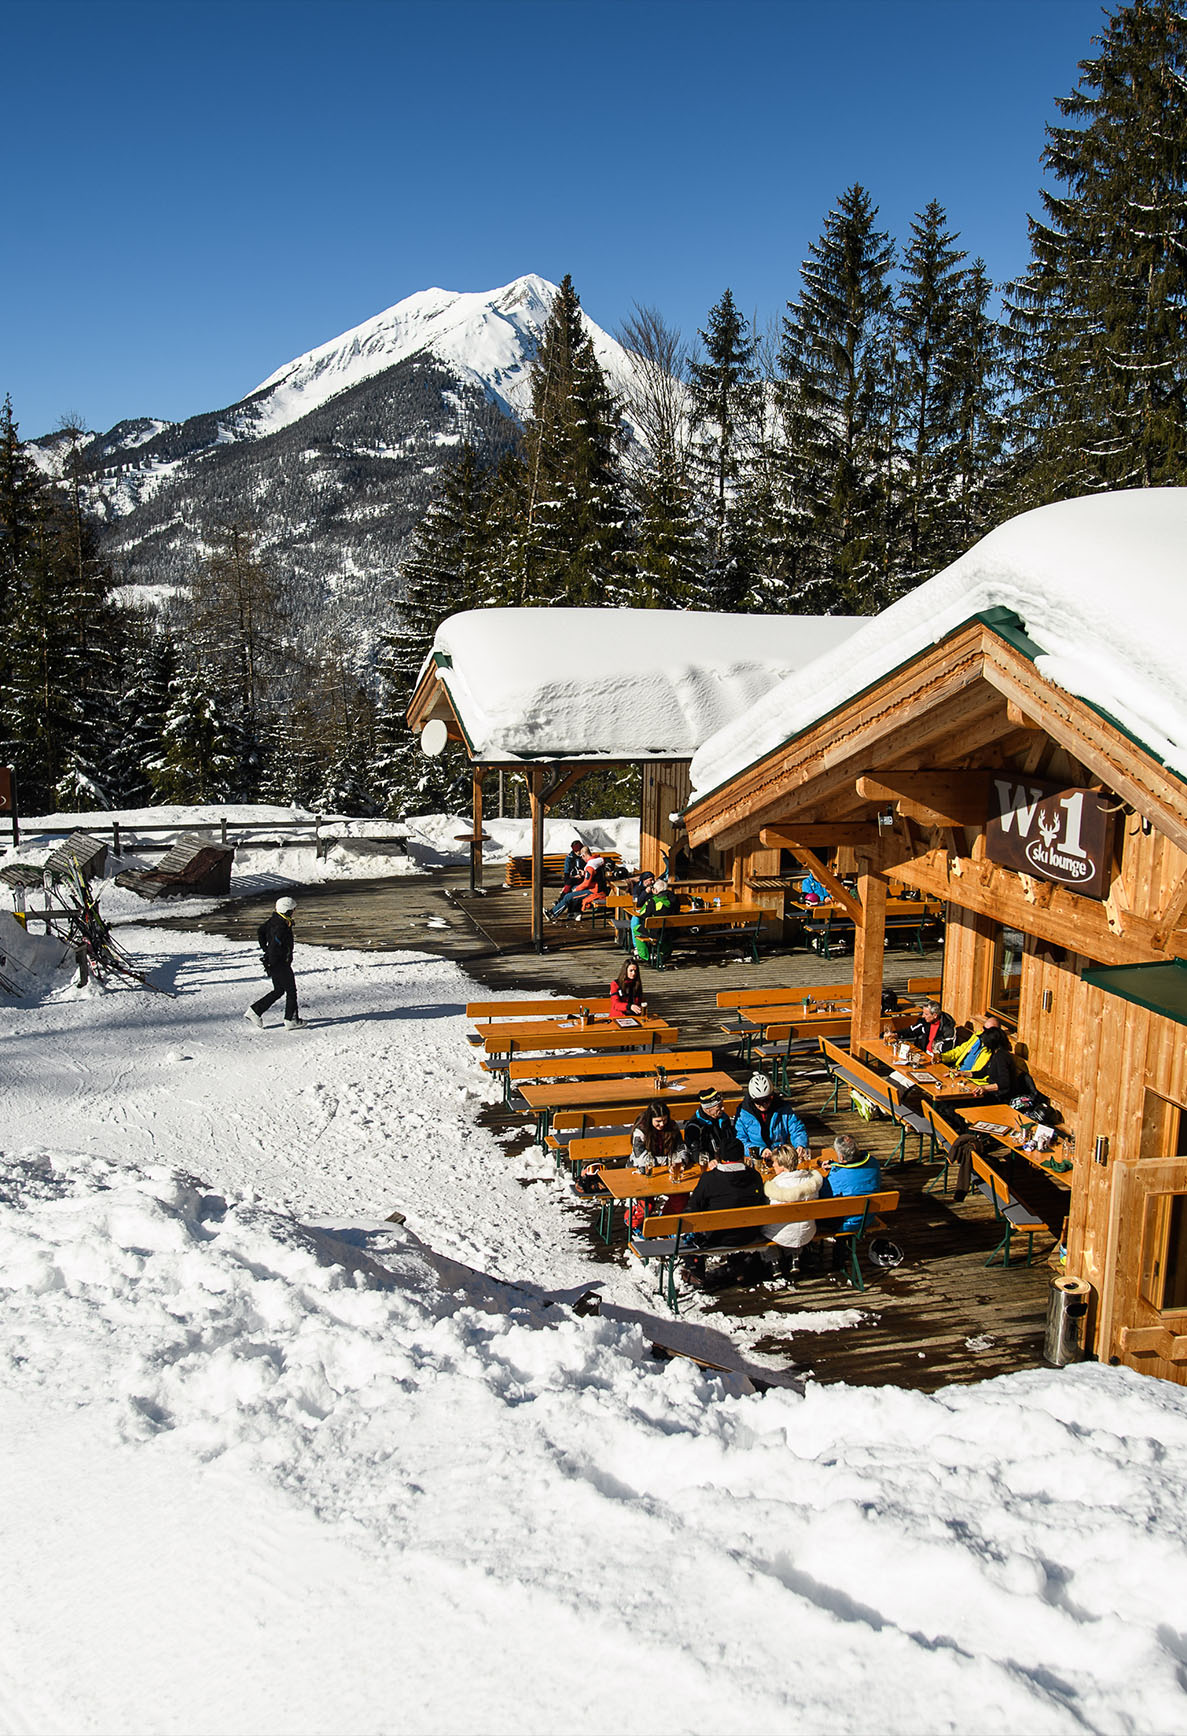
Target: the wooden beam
pixel 1019 718
pixel 856 834
pixel 1066 919
pixel 1172 912
pixel 536 802
pixel 869 958
pixel 828 879
pixel 476 832
pixel 955 798
pixel 562 788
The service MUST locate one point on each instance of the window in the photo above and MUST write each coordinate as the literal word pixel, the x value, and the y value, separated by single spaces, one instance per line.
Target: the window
pixel 1005 979
pixel 1164 1252
pixel 1164 1128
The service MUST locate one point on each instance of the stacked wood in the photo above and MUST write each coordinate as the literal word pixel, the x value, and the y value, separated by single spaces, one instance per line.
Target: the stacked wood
pixel 519 868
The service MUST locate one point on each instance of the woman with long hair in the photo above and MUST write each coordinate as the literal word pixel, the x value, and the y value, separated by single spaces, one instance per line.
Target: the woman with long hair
pixel 626 991
pixel 655 1136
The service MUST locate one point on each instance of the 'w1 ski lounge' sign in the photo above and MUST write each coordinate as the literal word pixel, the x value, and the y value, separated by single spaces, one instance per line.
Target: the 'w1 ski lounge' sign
pixel 1050 831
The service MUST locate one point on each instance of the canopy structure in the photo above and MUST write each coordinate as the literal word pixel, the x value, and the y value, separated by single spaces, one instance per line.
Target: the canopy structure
pixel 562 692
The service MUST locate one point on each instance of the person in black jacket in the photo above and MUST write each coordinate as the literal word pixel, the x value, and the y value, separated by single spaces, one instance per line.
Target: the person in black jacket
pixel 728 1184
pixel 933 1029
pixel 709 1136
pixel 276 945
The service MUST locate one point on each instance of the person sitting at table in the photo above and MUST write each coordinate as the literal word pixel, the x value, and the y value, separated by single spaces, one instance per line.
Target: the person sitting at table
pixel 971 1055
pixel 813 891
pixel 853 1172
pixel 709 1135
pixel 728 1184
pixel 626 991
pixel 933 1030
pixel 766 1120
pixel 795 1179
pixel 574 866
pixel 655 1137
pixel 999 1072
pixel 659 901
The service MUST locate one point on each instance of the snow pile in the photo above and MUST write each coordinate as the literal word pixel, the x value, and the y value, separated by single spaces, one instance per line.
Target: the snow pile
pixel 30 963
pixel 320 1488
pixel 616 683
pixel 1100 584
pixel 432 838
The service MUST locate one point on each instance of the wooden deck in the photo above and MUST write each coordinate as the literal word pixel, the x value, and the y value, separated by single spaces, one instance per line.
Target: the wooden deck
pixel 939 1318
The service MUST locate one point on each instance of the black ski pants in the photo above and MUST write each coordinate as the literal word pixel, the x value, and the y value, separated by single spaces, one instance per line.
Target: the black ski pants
pixel 283 983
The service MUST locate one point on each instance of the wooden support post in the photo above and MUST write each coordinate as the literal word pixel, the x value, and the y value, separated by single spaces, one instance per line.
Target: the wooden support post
pixel 115 838
pixel 536 800
pixel 476 830
pixel 736 877
pixel 869 955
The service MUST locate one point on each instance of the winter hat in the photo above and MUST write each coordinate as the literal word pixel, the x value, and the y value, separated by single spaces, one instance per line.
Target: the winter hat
pixel 286 906
pixel 760 1086
pixel 708 1098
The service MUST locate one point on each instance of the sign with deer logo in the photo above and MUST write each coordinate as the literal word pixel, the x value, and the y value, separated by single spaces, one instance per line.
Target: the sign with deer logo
pixel 1050 831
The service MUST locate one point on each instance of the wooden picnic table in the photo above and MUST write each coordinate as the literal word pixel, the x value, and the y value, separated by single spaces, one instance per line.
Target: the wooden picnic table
pixel 489 1011
pixel 1009 1127
pixel 627 1093
pixel 742 1000
pixel 570 1033
pixel 943 1085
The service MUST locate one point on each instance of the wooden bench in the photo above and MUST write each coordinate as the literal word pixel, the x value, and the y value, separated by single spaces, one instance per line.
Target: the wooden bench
pixel 826 925
pixel 664 1237
pixel 924 985
pixel 1009 1210
pixel 732 925
pixel 611 1066
pixel 568 1124
pixel 79 854
pixel 502 1046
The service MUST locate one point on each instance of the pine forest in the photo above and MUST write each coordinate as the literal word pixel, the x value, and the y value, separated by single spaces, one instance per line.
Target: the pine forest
pixel 901 407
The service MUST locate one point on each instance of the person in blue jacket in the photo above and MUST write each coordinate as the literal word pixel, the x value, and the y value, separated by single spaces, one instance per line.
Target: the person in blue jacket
pixel 854 1172
pixel 812 891
pixel 766 1120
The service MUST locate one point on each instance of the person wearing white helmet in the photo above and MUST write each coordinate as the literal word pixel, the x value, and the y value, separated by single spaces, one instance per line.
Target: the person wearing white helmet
pixel 276 948
pixel 766 1120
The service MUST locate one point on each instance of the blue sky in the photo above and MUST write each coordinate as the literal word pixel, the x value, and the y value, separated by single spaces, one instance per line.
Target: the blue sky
pixel 205 188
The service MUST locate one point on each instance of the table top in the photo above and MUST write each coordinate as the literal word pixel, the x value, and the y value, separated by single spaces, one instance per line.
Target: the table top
pixel 710 917
pixel 640 1090
pixel 1010 1127
pixel 639 1184
pixel 946 1084
pixel 569 1032
pixel 793 1013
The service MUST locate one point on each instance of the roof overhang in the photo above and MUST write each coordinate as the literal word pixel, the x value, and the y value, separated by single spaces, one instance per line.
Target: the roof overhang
pixel 975 691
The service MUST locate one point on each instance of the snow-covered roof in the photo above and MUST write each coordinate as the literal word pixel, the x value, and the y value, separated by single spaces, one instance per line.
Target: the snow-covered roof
pixel 1100 584
pixel 616 683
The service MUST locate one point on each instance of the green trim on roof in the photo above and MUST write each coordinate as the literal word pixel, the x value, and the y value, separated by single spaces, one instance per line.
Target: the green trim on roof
pixel 1160 988
pixel 443 659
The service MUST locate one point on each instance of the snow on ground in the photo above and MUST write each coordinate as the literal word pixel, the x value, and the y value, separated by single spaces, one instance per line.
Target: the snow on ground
pixel 270 1463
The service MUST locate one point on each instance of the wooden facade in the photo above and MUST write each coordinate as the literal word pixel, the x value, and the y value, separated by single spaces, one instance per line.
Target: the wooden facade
pixel 902 777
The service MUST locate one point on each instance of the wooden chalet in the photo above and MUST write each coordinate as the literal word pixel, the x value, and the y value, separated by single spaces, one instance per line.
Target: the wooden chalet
pixel 999 758
pixel 558 693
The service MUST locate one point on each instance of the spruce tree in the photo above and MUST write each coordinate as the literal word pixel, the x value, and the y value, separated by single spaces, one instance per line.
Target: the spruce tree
pixel 726 407
pixel 572 488
pixel 1100 318
pixel 929 331
pixel 199 757
pixel 835 404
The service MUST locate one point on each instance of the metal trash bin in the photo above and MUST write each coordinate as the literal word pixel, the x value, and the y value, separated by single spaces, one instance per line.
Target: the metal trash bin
pixel 1067 1314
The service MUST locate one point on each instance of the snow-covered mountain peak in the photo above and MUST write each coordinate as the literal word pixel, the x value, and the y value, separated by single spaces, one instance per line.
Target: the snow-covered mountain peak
pixel 488 337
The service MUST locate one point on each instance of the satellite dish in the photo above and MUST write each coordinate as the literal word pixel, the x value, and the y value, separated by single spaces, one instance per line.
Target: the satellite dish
pixel 434 736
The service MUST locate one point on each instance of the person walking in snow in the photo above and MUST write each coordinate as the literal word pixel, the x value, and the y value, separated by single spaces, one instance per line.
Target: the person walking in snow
pixel 276 946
